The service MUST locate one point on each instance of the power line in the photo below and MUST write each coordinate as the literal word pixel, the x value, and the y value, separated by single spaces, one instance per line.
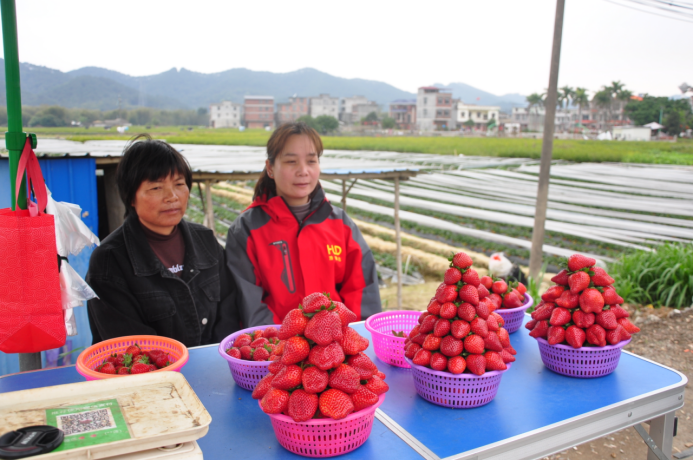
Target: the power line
pixel 649 12
pixel 644 3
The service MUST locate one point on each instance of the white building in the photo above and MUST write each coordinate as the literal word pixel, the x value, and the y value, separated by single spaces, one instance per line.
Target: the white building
pixel 434 110
pixel 632 133
pixel 324 105
pixel 480 115
pixel 225 114
pixel 346 111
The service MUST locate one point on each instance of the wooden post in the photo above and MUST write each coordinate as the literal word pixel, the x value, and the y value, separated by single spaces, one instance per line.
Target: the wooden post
pixel 398 240
pixel 537 251
pixel 344 194
pixel 209 208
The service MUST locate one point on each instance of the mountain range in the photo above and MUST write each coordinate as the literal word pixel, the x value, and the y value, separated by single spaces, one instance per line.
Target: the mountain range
pixel 99 88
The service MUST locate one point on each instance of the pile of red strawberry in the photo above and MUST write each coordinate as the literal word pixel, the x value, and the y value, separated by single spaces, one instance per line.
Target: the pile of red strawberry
pixel 260 345
pixel 134 361
pixel 321 370
pixel 583 308
pixel 504 295
pixel 459 331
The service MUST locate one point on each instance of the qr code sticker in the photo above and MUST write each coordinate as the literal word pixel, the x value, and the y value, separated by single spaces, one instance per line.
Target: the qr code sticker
pixel 87 421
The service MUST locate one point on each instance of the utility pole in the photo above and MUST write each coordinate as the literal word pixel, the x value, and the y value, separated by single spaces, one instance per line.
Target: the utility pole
pixel 535 259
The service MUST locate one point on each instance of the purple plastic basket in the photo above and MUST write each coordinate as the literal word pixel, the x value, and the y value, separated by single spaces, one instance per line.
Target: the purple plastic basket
pixel 246 373
pixel 585 362
pixel 514 317
pixel 465 390
pixel 390 348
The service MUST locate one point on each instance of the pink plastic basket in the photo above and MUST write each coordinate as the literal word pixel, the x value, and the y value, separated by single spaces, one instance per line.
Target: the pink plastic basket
pixel 514 317
pixel 323 438
pixel 465 390
pixel 390 348
pixel 246 373
pixel 585 362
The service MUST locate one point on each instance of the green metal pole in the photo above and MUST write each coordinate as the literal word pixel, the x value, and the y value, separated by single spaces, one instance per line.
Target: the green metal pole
pixel 15 137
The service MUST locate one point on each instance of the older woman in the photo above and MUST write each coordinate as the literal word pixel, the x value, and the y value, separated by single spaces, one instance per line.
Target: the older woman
pixel 158 274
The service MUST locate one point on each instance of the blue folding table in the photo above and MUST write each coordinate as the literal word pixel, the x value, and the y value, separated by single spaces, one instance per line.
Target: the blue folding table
pixel 535 413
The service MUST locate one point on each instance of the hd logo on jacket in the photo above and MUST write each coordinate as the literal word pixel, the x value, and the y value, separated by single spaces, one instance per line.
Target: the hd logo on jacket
pixel 334 252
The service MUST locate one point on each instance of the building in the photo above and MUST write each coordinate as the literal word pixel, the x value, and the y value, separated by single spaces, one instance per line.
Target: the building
pixel 324 105
pixel 346 111
pixel 480 115
pixel 258 111
pixel 225 114
pixel 110 123
pixel 361 111
pixel 292 110
pixel 434 110
pixel 404 113
pixel 632 133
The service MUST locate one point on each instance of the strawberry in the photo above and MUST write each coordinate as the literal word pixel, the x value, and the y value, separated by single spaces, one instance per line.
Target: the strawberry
pixel 578 282
pixel 483 291
pixel 423 316
pixel 499 319
pixel 446 293
pixel 466 312
pixel 578 261
pixel 448 310
pixel 432 343
pixel 507 356
pixel 504 337
pixel 162 361
pixel 377 385
pixel 611 297
pixel 324 328
pixel 619 312
pixel 294 324
pixel 380 375
pixel 561 278
pixel 531 324
pixel 479 327
pixel 258 334
pixel 335 404
pixel 326 357
pixel 352 342
pixel 263 386
pixel 428 324
pixel 457 364
pixel 434 307
pixel 363 398
pixel 474 344
pixel 288 378
pixel 492 323
pixel 314 302
pixel 494 361
pixel 462 260
pixel 152 367
pixel 275 401
pixel 422 357
pixel 615 336
pixel 492 342
pixel 279 349
pixel 242 340
pixel 234 352
pixel 363 365
pixel 259 342
pixel 451 346
pixel 439 362
pixel 452 276
pixel 591 300
pixel 496 300
pixel 275 366
pixel 510 349
pixel 270 332
pixel 628 325
pixel 345 378
pixel 469 294
pixel 521 288
pixel 543 312
pixel 486 281
pixel 575 336
pixel 471 277
pixel 122 370
pixel 499 287
pixel 314 380
pixel 419 339
pixel 138 368
pixel 596 335
pixel 133 350
pixel 442 327
pixel 261 354
pixel 583 320
pixel 107 368
pixel 246 353
pixel 155 353
pixel 476 363
pixel 556 335
pixel 302 405
pixel 511 300
pixel 296 349
pixel 460 328
pixel 568 299
pixel 483 310
pixel 601 278
pixel 414 331
pixel 411 350
pixel 552 293
pixel 607 320
pixel 346 315
pixel 540 330
pixel 560 316
pixel 113 359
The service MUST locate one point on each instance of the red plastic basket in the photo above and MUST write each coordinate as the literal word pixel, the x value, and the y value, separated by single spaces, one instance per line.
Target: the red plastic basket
pixel 323 438
pixel 390 348
pixel 584 362
pixel 465 390
pixel 515 317
pixel 94 356
pixel 246 373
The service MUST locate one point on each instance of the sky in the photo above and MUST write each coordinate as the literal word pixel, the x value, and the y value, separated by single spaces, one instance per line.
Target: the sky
pixel 499 46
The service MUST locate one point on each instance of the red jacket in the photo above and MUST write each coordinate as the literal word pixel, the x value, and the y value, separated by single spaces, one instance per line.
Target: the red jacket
pixel 276 261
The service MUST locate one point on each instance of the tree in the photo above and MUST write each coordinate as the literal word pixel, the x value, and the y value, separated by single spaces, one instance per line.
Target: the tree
pixel 602 99
pixel 673 123
pixel 326 123
pixel 469 123
pixel 308 120
pixel 649 108
pixel 581 99
pixel 534 100
pixel 566 94
pixel 50 117
pixel 371 117
pixel 388 122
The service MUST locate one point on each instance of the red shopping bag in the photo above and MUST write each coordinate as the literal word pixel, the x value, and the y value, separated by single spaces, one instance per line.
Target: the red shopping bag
pixel 31 314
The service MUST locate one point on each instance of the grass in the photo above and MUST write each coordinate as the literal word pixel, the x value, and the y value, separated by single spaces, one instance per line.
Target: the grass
pixel 678 153
pixel 662 278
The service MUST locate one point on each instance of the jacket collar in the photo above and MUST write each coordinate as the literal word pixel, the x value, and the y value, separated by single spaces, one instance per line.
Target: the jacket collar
pixel 144 260
pixel 277 208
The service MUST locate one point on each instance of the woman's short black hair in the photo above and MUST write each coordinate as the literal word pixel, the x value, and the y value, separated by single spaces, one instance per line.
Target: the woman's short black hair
pixel 146 159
